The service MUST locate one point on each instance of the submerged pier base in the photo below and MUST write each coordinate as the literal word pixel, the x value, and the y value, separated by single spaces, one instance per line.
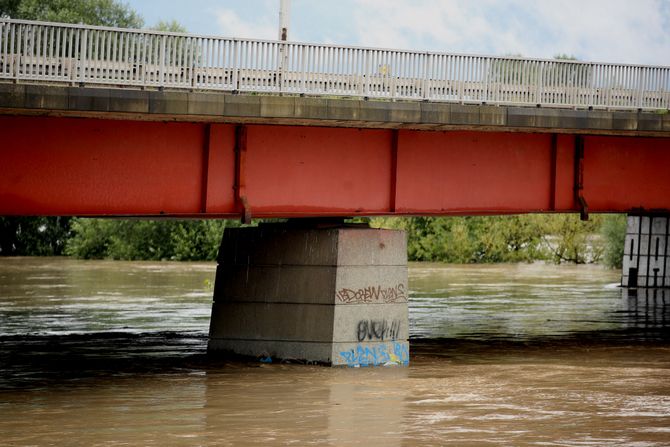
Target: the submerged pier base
pixel 332 294
pixel 646 262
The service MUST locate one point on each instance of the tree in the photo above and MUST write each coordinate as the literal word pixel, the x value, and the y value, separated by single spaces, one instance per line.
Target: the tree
pixel 613 232
pixel 172 26
pixel 178 240
pixel 34 236
pixel 89 12
pixel 572 240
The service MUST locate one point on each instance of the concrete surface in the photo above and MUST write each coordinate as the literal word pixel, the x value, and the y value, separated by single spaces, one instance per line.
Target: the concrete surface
pixel 332 295
pixel 127 103
pixel 646 260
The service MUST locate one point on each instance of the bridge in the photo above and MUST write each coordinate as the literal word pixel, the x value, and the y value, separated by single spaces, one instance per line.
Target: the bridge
pixel 101 121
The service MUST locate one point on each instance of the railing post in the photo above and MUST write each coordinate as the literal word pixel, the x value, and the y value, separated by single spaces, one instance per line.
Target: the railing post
pixel 303 70
pixel 366 74
pixel 16 39
pixel 283 55
pixel 83 57
pixel 161 77
pixel 426 69
pixel 236 67
pixel 538 87
pixel 191 61
pixel 641 84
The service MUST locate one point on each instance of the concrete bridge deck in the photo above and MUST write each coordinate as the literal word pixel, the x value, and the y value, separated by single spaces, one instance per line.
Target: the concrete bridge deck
pixel 220 107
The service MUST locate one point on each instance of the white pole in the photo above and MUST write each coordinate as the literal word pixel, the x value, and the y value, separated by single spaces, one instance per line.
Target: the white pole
pixel 284 18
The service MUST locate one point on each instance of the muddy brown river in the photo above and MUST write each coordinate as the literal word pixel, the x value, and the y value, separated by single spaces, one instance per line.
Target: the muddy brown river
pixel 114 353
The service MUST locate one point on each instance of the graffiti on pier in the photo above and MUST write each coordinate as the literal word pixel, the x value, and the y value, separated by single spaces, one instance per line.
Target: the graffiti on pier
pixel 377 330
pixel 373 294
pixel 393 353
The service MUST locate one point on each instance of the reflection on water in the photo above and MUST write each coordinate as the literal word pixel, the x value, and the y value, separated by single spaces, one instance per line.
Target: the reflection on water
pixel 113 353
pixel 61 296
pixel 522 302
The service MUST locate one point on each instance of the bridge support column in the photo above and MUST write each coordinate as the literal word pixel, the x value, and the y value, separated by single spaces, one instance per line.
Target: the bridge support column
pixel 335 295
pixel 646 262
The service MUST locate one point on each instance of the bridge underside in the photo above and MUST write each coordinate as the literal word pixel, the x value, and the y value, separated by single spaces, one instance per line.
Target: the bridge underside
pixel 100 167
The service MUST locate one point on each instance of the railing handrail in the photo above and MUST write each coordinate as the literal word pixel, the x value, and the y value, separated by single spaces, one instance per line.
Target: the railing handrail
pixel 324 45
pixel 101 54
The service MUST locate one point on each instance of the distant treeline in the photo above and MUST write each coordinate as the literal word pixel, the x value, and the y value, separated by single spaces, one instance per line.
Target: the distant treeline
pixel 489 239
pixel 524 238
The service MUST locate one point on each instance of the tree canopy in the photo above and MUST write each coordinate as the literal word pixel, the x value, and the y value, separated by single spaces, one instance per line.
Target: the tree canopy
pixel 89 12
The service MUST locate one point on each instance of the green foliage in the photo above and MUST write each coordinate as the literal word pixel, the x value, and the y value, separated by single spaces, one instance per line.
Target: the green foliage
pixel 179 240
pixel 565 57
pixel 525 238
pixel 9 8
pixel 613 232
pixel 172 26
pixel 33 236
pixel 89 12
pixel 471 239
pixel 479 239
pixel 570 239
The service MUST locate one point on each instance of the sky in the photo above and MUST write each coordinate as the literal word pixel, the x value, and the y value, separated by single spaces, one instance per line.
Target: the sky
pixel 622 31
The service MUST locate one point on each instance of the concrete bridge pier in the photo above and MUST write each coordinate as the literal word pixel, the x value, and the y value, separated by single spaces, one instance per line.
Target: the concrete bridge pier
pixel 646 262
pixel 325 292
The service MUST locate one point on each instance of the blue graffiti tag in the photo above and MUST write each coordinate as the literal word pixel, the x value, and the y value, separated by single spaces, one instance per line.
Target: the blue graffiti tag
pixel 394 353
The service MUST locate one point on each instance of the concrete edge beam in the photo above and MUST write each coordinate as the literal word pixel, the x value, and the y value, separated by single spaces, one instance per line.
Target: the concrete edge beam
pixel 90 99
pixel 171 102
pixel 12 95
pixel 464 114
pixel 405 112
pixel 128 103
pixel 624 121
pixel 242 106
pixel 435 113
pixel 311 108
pixel 277 106
pixel 492 116
pixel 206 104
pixel 46 97
pixel 374 111
pixel 666 122
pixel 649 121
pixel 343 110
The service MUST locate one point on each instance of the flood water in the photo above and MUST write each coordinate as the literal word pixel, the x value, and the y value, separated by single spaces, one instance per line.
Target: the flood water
pixel 114 353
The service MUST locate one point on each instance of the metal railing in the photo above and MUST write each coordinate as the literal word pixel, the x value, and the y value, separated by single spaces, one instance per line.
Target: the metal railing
pixel 78 54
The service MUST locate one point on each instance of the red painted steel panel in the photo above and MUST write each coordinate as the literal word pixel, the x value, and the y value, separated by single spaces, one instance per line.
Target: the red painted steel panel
pixel 565 173
pixel 64 166
pixel 315 170
pixel 221 176
pixel 472 172
pixel 89 166
pixel 624 173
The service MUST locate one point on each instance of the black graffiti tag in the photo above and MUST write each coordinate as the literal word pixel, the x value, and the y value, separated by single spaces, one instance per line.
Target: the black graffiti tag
pixel 377 330
pixel 373 294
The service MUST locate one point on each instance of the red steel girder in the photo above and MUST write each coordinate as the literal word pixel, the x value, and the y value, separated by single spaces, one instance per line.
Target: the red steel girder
pixel 97 167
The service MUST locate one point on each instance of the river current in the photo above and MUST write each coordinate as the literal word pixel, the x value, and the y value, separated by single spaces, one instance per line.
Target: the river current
pixel 114 353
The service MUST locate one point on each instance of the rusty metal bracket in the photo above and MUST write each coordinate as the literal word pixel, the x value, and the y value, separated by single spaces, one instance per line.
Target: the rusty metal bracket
pixel 579 178
pixel 241 200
